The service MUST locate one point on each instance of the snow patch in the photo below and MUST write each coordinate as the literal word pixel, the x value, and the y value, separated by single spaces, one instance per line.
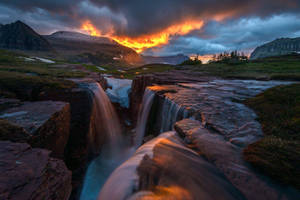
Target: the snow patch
pixel 44 60
pixel 119 91
pixel 101 68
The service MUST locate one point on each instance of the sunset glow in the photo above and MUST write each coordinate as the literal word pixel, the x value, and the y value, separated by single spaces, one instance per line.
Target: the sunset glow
pixel 141 43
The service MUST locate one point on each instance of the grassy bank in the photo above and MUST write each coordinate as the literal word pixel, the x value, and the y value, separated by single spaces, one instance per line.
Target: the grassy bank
pixel 278 153
pixel 130 73
pixel 23 79
pixel 281 68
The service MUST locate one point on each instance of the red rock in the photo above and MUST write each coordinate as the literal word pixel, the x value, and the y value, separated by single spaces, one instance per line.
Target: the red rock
pixel 47 124
pixel 30 173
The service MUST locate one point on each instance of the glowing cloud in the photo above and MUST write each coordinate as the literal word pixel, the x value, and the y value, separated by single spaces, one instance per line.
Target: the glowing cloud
pixel 143 42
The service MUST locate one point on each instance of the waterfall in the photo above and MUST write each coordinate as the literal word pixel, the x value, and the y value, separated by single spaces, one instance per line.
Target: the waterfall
pixel 171 113
pixel 143 116
pixel 105 124
pixel 106 133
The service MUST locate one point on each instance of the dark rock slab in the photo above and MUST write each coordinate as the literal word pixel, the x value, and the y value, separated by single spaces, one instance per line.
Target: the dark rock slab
pixel 227 157
pixel 30 173
pixel 46 124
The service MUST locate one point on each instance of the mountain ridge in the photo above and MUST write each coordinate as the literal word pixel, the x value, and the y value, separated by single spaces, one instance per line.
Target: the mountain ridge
pixel 20 36
pixel 278 47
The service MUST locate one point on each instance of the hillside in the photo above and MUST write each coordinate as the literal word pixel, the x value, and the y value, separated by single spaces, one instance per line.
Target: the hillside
pixel 78 47
pixel 19 36
pixel 172 60
pixel 282 46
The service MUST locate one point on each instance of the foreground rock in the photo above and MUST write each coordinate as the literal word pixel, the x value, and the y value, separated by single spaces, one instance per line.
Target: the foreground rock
pixel 227 157
pixel 28 173
pixel 165 169
pixel 44 124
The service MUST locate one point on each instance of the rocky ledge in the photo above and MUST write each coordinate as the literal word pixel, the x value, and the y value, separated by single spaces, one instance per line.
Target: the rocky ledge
pixel 30 173
pixel 44 124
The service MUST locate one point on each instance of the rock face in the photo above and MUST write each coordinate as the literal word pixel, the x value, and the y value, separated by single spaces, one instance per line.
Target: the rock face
pixel 31 174
pixel 277 47
pixel 44 124
pixel 172 60
pixel 227 157
pixel 20 36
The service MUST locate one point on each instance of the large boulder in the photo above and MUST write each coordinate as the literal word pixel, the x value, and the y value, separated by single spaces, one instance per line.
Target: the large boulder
pixel 44 124
pixel 31 174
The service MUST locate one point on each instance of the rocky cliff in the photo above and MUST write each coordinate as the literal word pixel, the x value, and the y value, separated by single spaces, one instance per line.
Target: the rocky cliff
pixel 20 36
pixel 277 47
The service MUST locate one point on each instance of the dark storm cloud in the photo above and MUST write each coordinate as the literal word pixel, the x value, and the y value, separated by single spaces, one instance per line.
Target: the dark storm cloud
pixel 148 16
pixel 242 35
pixel 157 14
pixel 248 22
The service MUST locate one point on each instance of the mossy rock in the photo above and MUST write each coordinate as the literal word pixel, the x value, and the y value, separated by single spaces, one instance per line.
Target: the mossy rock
pixel 278 154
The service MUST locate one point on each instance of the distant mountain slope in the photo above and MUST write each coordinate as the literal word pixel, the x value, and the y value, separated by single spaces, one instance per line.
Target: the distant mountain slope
pixel 282 46
pixel 19 36
pixel 78 47
pixel 68 35
pixel 173 60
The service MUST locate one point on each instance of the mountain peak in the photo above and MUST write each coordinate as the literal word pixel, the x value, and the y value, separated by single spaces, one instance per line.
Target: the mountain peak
pixel 19 35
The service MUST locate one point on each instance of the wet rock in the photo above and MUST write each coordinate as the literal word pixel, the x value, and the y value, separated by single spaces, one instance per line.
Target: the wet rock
pixel 227 157
pixel 172 77
pixel 42 124
pixel 30 173
pixel 164 168
pixel 216 104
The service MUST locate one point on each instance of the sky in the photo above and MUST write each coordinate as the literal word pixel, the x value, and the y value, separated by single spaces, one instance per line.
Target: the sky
pixel 164 27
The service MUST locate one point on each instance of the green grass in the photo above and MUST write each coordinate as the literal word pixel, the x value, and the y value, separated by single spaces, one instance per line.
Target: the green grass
pixel 281 68
pixel 130 73
pixel 26 87
pixel 278 153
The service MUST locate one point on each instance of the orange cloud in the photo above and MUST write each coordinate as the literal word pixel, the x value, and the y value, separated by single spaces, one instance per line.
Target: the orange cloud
pixel 141 43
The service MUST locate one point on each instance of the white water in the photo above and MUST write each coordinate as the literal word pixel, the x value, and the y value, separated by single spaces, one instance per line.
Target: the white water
pixel 171 113
pixel 108 191
pixel 104 126
pixel 117 149
pixel 124 180
pixel 143 116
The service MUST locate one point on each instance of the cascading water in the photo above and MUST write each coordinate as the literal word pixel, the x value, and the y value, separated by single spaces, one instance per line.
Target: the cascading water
pixel 105 132
pixel 140 132
pixel 171 113
pixel 116 150
pixel 143 116
pixel 104 123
